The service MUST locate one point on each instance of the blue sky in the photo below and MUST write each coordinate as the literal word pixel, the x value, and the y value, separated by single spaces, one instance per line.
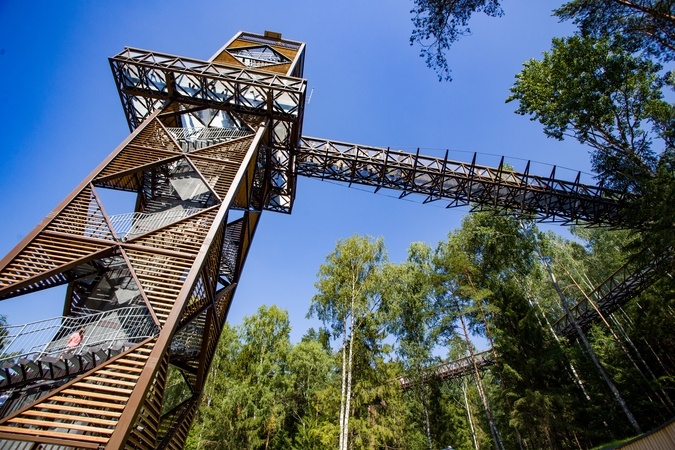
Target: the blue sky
pixel 61 115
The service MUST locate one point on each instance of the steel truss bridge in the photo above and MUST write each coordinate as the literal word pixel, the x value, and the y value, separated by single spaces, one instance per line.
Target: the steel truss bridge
pixel 213 144
pixel 456 368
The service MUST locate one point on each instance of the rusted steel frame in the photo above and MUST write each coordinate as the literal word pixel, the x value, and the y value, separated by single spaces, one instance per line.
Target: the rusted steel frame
pixel 543 183
pixel 207 73
pixel 251 220
pixel 102 209
pixel 537 193
pixel 452 369
pixel 134 170
pixel 146 300
pixel 48 440
pixel 130 244
pixel 204 365
pixel 298 61
pixel 78 237
pixel 91 371
pixel 155 250
pixel 132 409
pixel 199 67
pixel 74 193
pixel 234 103
pixel 12 288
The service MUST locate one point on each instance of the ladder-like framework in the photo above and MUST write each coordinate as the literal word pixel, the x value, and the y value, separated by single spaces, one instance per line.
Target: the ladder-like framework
pixel 205 158
pixel 627 282
pixel 454 369
pixel 213 144
pixel 459 183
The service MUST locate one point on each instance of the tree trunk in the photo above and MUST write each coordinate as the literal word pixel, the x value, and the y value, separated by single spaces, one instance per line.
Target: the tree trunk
pixel 479 384
pixel 345 437
pixel 587 345
pixel 424 405
pixel 468 412
pixel 344 384
pixel 664 401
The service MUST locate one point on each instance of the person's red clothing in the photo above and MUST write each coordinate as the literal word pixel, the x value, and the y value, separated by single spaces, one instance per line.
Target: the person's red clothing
pixel 74 340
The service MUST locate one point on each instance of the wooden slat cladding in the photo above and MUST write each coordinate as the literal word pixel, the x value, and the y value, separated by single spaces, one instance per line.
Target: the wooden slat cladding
pixel 233 151
pixel 226 58
pixel 132 158
pixel 144 431
pixel 86 410
pixel 83 217
pixel 161 278
pixel 175 438
pixel 218 175
pixel 45 253
pixel 155 136
pixel 184 236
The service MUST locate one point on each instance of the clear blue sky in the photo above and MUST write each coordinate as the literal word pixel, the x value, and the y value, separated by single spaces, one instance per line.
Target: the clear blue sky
pixel 61 115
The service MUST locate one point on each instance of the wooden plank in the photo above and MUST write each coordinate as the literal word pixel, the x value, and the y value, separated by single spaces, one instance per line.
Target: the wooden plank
pixel 110 380
pixel 118 374
pixel 57 434
pixel 81 402
pixel 70 417
pixel 86 394
pixel 76 409
pixel 71 426
pixel 49 440
pixel 99 387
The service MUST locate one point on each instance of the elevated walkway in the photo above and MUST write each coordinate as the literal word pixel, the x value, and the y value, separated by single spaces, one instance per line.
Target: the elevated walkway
pixel 453 369
pixel 481 187
pixel 624 284
pixel 37 351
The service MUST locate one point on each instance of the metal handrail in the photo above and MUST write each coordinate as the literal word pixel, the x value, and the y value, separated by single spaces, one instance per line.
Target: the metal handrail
pixel 129 225
pixel 49 337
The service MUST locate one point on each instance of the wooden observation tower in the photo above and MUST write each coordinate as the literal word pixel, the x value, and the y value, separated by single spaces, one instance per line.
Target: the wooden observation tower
pixel 213 144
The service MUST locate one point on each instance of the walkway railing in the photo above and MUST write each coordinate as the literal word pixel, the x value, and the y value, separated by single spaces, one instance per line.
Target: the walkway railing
pixel 192 134
pixel 49 337
pixel 128 226
pixel 453 369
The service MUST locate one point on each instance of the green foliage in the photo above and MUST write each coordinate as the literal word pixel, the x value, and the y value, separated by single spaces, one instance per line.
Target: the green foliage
pixel 602 95
pixel 440 23
pixel 646 25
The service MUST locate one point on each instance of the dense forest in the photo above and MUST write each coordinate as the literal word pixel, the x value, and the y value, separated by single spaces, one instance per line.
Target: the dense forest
pixel 387 322
pixel 370 377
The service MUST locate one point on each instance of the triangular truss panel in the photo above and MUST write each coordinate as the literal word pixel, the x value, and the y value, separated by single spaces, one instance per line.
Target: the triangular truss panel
pixel 230 151
pixel 161 277
pixel 218 175
pixel 47 261
pixel 258 56
pixel 184 236
pixel 128 162
pixel 83 216
pixel 155 136
pixel 197 303
pixel 84 412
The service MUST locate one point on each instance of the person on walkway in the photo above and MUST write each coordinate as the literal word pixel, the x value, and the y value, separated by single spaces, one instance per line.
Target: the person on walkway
pixel 75 339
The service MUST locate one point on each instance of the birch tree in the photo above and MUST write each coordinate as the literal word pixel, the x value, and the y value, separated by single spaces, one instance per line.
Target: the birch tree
pixel 348 296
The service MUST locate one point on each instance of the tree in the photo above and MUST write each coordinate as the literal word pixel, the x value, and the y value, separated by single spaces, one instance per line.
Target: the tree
pixel 647 25
pixel 347 301
pixel 640 25
pixel 603 96
pixel 411 319
pixel 440 23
